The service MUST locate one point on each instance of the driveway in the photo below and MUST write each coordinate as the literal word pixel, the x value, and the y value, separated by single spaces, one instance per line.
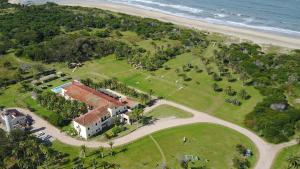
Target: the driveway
pixel 267 151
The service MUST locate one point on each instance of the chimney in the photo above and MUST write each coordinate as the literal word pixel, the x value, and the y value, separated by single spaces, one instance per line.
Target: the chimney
pixel 7 121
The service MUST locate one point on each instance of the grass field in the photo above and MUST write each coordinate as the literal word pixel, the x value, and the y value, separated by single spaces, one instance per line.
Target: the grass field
pixel 281 159
pixel 197 93
pixel 203 140
pixel 168 111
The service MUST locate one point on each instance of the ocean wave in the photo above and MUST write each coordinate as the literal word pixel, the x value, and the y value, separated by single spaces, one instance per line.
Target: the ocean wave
pixel 254 27
pixel 246 23
pixel 220 15
pixel 177 7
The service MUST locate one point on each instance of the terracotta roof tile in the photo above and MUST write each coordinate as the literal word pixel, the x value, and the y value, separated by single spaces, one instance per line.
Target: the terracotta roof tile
pixel 92 116
pixel 100 102
pixel 90 96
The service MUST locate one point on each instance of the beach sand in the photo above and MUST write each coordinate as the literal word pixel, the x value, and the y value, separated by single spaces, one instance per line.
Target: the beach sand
pixel 259 37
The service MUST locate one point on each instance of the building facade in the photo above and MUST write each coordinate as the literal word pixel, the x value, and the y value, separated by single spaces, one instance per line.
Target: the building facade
pixel 103 108
pixel 12 119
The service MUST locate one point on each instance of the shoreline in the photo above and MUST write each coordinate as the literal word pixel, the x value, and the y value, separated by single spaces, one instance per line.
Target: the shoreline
pixel 260 37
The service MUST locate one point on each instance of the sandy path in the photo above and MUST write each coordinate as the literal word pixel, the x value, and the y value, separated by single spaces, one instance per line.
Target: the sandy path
pixel 267 151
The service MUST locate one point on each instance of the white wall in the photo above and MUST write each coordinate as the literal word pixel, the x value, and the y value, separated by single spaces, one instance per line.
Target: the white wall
pixel 118 110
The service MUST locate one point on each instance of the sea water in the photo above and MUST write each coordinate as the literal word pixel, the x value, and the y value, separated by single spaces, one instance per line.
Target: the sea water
pixel 276 16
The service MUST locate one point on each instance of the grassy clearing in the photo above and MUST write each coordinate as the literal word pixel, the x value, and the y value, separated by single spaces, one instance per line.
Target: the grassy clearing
pixel 197 93
pixel 199 96
pixel 212 142
pixel 281 159
pixel 38 109
pixel 168 111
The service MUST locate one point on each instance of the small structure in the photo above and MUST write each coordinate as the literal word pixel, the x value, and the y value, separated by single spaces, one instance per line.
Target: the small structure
pixel 48 78
pixel 13 119
pixel 278 106
pixel 73 65
pixel 248 153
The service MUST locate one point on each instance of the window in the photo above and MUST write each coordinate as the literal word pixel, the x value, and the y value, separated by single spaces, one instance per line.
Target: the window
pixel 88 128
pixel 96 124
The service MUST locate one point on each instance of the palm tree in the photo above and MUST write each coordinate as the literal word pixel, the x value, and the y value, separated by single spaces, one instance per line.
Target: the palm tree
pixel 45 152
pixel 144 98
pixel 244 77
pixel 151 92
pixel 184 163
pixel 111 147
pixel 101 151
pixel 94 163
pixel 104 164
pixel 298 139
pixel 83 151
pixel 294 162
pixel 243 94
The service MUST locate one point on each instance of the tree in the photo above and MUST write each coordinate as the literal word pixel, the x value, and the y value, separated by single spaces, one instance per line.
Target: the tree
pixel 293 162
pixel 111 147
pixel 82 151
pixel 151 92
pixel 216 87
pixel 244 77
pixel 243 94
pixel 298 139
pixel 216 77
pixel 94 163
pixel 184 163
pixel 240 162
pixel 101 151
pixel 229 91
pixel 7 64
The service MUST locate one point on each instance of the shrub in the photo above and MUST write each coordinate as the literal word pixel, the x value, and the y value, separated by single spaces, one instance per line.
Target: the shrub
pixel 117 129
pixel 57 120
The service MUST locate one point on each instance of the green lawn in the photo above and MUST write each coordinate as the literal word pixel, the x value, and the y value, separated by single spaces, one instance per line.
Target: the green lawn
pixel 196 93
pixel 168 111
pixel 38 109
pixel 207 141
pixel 281 159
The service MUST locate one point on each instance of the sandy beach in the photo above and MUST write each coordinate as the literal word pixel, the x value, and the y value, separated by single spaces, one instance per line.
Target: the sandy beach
pixel 240 33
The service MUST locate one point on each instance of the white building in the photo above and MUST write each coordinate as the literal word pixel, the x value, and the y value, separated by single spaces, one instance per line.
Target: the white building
pixel 103 108
pixel 12 119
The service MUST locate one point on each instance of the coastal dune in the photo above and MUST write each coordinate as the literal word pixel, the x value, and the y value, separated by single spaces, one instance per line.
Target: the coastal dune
pixel 263 38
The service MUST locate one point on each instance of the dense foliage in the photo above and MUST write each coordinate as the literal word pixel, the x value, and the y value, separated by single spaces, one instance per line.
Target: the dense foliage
pixel 20 150
pixel 43 33
pixel 113 84
pixel 71 109
pixel 66 48
pixel 274 75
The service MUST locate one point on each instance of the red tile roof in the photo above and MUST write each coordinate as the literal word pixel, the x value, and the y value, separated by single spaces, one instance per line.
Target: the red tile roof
pixel 92 116
pixel 91 97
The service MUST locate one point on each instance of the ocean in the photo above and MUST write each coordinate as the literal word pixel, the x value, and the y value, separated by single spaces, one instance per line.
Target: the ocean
pixel 276 16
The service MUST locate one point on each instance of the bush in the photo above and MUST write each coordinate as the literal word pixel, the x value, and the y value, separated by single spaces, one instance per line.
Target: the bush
pixel 233 101
pixel 240 162
pixel 216 77
pixel 117 129
pixel 297 125
pixel 57 120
